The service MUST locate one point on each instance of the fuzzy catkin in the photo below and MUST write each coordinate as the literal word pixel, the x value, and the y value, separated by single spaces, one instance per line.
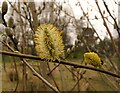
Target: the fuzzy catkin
pixel 92 59
pixel 48 42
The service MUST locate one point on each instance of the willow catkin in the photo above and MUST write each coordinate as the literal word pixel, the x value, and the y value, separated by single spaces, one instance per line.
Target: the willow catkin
pixel 92 59
pixel 48 42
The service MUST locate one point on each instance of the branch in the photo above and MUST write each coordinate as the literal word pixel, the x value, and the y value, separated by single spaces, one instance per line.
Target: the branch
pixel 108 30
pixel 16 9
pixel 40 77
pixel 35 73
pixel 61 62
pixel 112 17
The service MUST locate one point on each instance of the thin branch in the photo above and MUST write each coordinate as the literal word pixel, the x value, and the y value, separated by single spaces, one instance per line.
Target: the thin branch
pixel 34 14
pixel 40 77
pixel 22 48
pixel 61 62
pixel 97 35
pixel 34 71
pixel 16 9
pixel 112 17
pixel 108 30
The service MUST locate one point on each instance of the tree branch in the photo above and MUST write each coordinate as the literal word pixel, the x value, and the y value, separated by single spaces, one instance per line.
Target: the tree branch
pixel 35 73
pixel 108 30
pixel 61 62
pixel 112 17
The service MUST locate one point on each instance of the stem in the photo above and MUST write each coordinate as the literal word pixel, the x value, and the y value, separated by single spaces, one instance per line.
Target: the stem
pixel 22 48
pixel 108 30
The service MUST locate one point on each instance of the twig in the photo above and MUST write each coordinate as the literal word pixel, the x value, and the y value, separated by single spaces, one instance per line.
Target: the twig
pixel 108 30
pixel 53 69
pixel 112 17
pixel 34 14
pixel 16 69
pixel 53 77
pixel 61 62
pixel 22 48
pixel 77 83
pixel 41 78
pixel 15 9
pixel 108 82
pixel 35 72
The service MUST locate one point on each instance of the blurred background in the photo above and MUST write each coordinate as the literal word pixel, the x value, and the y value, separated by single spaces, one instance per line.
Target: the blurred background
pixel 87 25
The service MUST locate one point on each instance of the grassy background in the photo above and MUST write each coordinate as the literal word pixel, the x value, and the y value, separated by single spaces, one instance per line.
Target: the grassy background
pixel 93 81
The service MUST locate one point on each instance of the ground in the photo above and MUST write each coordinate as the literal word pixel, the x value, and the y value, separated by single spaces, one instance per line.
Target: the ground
pixel 92 80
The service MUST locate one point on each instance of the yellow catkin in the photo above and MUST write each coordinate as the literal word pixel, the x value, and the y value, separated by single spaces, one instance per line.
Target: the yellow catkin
pixel 92 59
pixel 49 43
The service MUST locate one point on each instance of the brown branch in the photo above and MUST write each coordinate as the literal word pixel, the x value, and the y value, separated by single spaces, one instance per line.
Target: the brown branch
pixel 61 62
pixel 40 77
pixel 97 35
pixel 16 9
pixel 22 48
pixel 112 17
pixel 33 70
pixel 108 30
pixel 34 14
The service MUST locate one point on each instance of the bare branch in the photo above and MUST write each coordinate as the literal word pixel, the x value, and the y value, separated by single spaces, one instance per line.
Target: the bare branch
pixel 112 17
pixel 56 61
pixel 108 30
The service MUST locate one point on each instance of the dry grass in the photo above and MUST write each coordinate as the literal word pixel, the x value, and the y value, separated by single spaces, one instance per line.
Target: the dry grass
pixel 92 80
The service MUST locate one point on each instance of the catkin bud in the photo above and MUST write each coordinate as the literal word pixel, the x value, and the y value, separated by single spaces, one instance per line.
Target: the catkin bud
pixel 8 32
pixel 4 7
pixel 11 22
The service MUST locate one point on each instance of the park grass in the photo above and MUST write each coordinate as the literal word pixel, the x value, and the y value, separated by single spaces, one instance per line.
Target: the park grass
pixel 94 79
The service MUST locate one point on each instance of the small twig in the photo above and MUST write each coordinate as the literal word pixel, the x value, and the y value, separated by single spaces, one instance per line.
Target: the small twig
pixel 53 69
pixel 108 82
pixel 108 30
pixel 4 22
pixel 35 72
pixel 34 14
pixel 15 9
pixel 16 70
pixel 112 17
pixel 77 83
pixel 40 77
pixel 53 77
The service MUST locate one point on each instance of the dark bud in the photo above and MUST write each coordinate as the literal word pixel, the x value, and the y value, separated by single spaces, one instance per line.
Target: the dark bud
pixel 4 8
pixel 24 2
